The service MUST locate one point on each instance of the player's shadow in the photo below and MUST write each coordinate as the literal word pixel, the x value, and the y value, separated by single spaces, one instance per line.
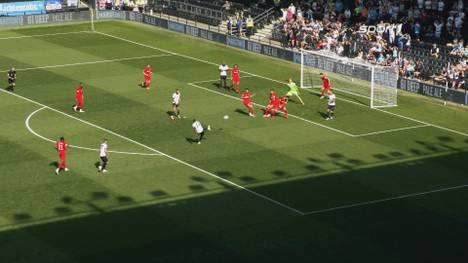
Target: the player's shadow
pixel 96 164
pixel 54 164
pixel 191 140
pixel 10 89
pixel 216 84
pixel 241 112
pixel 169 113
pixel 322 114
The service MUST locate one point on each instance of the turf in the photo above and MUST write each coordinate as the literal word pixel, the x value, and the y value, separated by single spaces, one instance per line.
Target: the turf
pixel 368 186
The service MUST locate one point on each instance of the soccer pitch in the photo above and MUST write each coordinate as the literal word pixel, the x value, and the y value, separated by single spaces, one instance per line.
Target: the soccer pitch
pixel 370 185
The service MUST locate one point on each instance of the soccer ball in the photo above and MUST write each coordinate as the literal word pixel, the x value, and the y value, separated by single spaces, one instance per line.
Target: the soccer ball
pixel 226 117
pixel 208 128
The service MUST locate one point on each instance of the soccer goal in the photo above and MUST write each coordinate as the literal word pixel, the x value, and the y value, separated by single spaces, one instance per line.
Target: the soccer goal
pixel 377 85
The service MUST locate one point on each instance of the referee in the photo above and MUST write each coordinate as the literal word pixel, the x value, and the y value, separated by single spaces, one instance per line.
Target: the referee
pixel 103 156
pixel 199 130
pixel 11 79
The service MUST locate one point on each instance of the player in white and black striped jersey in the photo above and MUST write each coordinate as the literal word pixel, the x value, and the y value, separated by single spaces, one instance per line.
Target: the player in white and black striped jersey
pixel 331 105
pixel 175 104
pixel 103 156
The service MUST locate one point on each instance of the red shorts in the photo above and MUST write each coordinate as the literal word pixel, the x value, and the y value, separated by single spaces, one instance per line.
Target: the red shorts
pixel 235 79
pixel 247 103
pixel 279 107
pixel 62 156
pixel 79 102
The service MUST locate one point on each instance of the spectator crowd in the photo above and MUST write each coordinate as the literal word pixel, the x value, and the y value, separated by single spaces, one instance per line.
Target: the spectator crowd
pixel 383 33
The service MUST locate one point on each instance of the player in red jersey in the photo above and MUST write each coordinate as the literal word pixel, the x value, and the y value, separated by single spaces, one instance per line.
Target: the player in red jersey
pixel 61 147
pixel 247 102
pixel 235 77
pixel 79 98
pixel 326 85
pixel 270 107
pixel 147 72
pixel 281 106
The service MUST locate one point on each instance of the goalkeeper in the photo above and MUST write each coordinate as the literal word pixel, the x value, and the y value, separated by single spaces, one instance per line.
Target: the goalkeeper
pixel 293 90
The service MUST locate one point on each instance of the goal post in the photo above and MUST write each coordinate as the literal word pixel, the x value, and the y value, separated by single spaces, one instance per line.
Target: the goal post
pixel 375 84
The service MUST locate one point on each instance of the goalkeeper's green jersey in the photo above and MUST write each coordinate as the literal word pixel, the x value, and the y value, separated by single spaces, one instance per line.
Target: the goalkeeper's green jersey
pixel 293 87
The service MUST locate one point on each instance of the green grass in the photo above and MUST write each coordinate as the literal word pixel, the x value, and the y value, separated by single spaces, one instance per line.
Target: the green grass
pixel 254 191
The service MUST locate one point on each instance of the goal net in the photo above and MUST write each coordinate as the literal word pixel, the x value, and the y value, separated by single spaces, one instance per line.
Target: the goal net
pixel 376 85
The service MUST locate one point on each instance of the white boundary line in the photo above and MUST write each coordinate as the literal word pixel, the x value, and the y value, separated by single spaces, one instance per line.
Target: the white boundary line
pixel 28 126
pixel 45 35
pixel 391 130
pixel 277 81
pixel 90 62
pixel 383 200
pixel 262 106
pixel 213 80
pixel 161 153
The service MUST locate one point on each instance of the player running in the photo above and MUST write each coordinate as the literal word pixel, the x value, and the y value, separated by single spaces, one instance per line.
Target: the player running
pixel 79 98
pixel 103 156
pixel 11 74
pixel 247 102
pixel 326 85
pixel 293 90
pixel 223 69
pixel 235 77
pixel 331 105
pixel 199 130
pixel 147 72
pixel 175 104
pixel 61 147
pixel 270 107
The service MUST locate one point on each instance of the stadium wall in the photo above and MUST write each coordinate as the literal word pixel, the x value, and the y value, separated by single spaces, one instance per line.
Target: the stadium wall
pixel 409 85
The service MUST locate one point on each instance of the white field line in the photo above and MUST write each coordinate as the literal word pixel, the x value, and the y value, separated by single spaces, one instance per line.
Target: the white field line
pixel 383 200
pixel 161 153
pixel 392 130
pixel 262 106
pixel 28 126
pixel 274 80
pixel 213 80
pixel 90 62
pixel 45 35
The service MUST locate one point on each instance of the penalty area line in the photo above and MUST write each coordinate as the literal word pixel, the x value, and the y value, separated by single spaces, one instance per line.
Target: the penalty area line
pixel 90 62
pixel 392 130
pixel 264 197
pixel 28 126
pixel 320 211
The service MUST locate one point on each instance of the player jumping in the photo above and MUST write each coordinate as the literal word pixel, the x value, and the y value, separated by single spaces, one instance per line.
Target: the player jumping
pixel 11 79
pixel 175 104
pixel 331 105
pixel 235 77
pixel 147 72
pixel 247 102
pixel 61 147
pixel 326 85
pixel 293 90
pixel 79 98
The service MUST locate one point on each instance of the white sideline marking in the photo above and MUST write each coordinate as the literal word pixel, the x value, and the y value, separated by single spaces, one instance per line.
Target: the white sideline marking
pixel 44 35
pixel 383 200
pixel 274 80
pixel 392 130
pixel 90 62
pixel 213 80
pixel 161 153
pixel 262 106
pixel 26 122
